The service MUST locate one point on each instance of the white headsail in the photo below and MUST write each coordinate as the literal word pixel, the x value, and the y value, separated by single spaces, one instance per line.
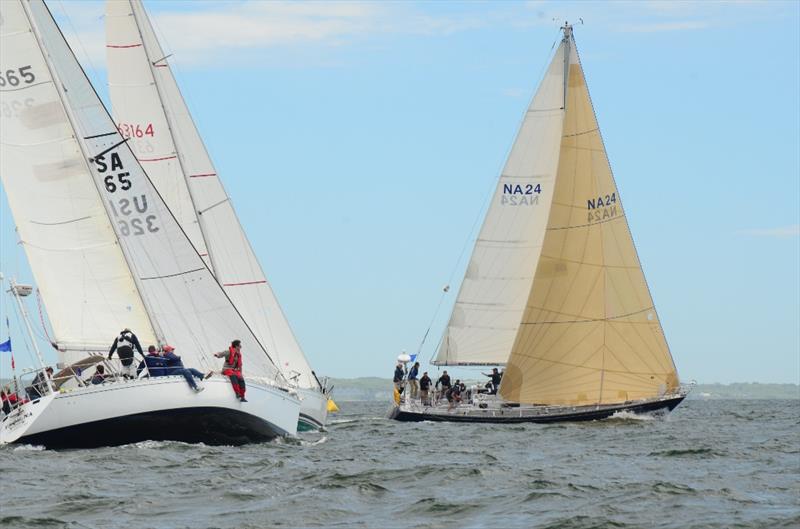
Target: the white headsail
pixel 187 306
pixel 72 249
pixel 489 306
pixel 148 104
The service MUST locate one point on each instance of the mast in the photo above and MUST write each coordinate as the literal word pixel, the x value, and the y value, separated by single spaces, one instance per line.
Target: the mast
pixel 72 121
pixel 567 40
pixel 18 292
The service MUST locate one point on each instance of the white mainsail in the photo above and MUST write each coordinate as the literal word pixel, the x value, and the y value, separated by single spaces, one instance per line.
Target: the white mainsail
pixel 146 100
pixel 71 246
pixel 187 306
pixel 487 311
pixel 590 333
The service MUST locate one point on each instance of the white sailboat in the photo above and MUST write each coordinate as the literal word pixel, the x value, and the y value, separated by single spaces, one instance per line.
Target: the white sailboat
pixel 151 111
pixel 554 289
pixel 108 253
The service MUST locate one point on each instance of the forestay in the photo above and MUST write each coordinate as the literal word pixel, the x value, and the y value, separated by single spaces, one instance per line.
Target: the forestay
pixel 590 333
pixel 71 246
pixel 146 97
pixel 187 306
pixel 489 306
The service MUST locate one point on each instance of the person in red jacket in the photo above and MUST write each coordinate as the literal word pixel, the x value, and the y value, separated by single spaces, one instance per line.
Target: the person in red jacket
pixel 233 368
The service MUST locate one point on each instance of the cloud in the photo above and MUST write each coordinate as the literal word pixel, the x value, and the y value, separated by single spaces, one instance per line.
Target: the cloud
pixel 792 230
pixel 255 33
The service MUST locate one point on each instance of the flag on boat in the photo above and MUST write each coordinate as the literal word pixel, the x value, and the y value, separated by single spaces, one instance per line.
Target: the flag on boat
pixel 413 358
pixel 5 347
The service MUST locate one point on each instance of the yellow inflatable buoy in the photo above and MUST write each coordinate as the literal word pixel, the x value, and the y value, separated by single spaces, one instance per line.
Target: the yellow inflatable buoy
pixel 396 396
pixel 332 407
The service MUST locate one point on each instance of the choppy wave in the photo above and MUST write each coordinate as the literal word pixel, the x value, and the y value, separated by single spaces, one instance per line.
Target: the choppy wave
pixel 704 468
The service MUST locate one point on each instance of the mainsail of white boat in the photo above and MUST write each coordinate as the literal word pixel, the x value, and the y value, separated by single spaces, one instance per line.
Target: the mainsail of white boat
pixel 104 247
pixel 554 288
pixel 150 109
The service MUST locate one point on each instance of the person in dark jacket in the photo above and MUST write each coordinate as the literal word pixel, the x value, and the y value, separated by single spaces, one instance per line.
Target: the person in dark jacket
pixel 424 388
pixel 155 365
pixel 412 380
pixel 494 384
pixel 444 380
pixel 232 368
pixel 175 367
pixel 123 345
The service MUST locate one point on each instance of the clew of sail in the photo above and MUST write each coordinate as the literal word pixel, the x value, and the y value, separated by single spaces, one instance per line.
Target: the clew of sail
pixel 145 96
pixel 186 305
pixel 492 297
pixel 86 286
pixel 589 333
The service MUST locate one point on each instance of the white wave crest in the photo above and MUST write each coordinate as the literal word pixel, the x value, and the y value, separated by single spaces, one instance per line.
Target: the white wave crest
pixel 28 448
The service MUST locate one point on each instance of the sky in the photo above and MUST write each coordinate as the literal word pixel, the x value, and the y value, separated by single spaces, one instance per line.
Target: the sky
pixel 360 142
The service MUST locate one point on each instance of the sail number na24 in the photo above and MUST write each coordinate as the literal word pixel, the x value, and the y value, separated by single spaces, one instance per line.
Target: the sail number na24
pixel 521 194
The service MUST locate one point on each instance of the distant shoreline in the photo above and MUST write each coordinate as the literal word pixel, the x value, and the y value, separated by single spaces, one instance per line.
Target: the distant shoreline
pixel 379 389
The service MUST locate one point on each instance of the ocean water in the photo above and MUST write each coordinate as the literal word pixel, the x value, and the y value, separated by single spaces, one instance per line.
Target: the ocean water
pixel 709 464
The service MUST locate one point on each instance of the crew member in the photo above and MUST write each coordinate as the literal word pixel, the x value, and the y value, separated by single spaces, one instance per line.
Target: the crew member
pixel 233 367
pixel 124 345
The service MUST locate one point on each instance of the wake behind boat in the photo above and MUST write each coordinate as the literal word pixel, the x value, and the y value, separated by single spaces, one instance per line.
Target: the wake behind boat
pixel 554 290
pixel 108 253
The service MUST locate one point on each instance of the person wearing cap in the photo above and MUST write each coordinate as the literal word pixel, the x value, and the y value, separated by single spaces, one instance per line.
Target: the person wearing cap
pixel 175 367
pixel 232 368
pixel 155 365
pixel 124 345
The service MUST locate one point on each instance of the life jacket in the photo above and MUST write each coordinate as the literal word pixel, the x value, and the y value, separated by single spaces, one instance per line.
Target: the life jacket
pixel 233 360
pixel 125 339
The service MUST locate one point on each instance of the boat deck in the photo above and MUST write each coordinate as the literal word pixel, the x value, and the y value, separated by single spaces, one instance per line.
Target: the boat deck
pixel 497 411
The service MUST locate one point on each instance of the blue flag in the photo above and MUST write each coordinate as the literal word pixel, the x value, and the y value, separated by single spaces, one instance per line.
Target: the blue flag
pixel 5 347
pixel 413 358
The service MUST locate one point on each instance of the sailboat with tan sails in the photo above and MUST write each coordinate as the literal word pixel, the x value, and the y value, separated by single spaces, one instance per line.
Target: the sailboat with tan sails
pixel 554 290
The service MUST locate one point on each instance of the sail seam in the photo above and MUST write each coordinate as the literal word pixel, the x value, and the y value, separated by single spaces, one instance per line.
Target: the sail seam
pixel 60 223
pixel 244 283
pixel 26 86
pixel 100 135
pixel 587 225
pixel 610 318
pixel 161 159
pixel 172 275
pixel 581 133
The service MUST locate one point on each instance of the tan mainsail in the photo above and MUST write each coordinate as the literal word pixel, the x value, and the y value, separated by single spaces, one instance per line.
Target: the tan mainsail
pixel 589 333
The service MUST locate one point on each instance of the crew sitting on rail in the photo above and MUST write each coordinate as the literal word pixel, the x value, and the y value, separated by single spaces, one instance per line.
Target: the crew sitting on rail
pixel 156 366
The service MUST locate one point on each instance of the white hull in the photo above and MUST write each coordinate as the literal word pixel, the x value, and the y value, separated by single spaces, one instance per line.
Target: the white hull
pixel 162 408
pixel 313 409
